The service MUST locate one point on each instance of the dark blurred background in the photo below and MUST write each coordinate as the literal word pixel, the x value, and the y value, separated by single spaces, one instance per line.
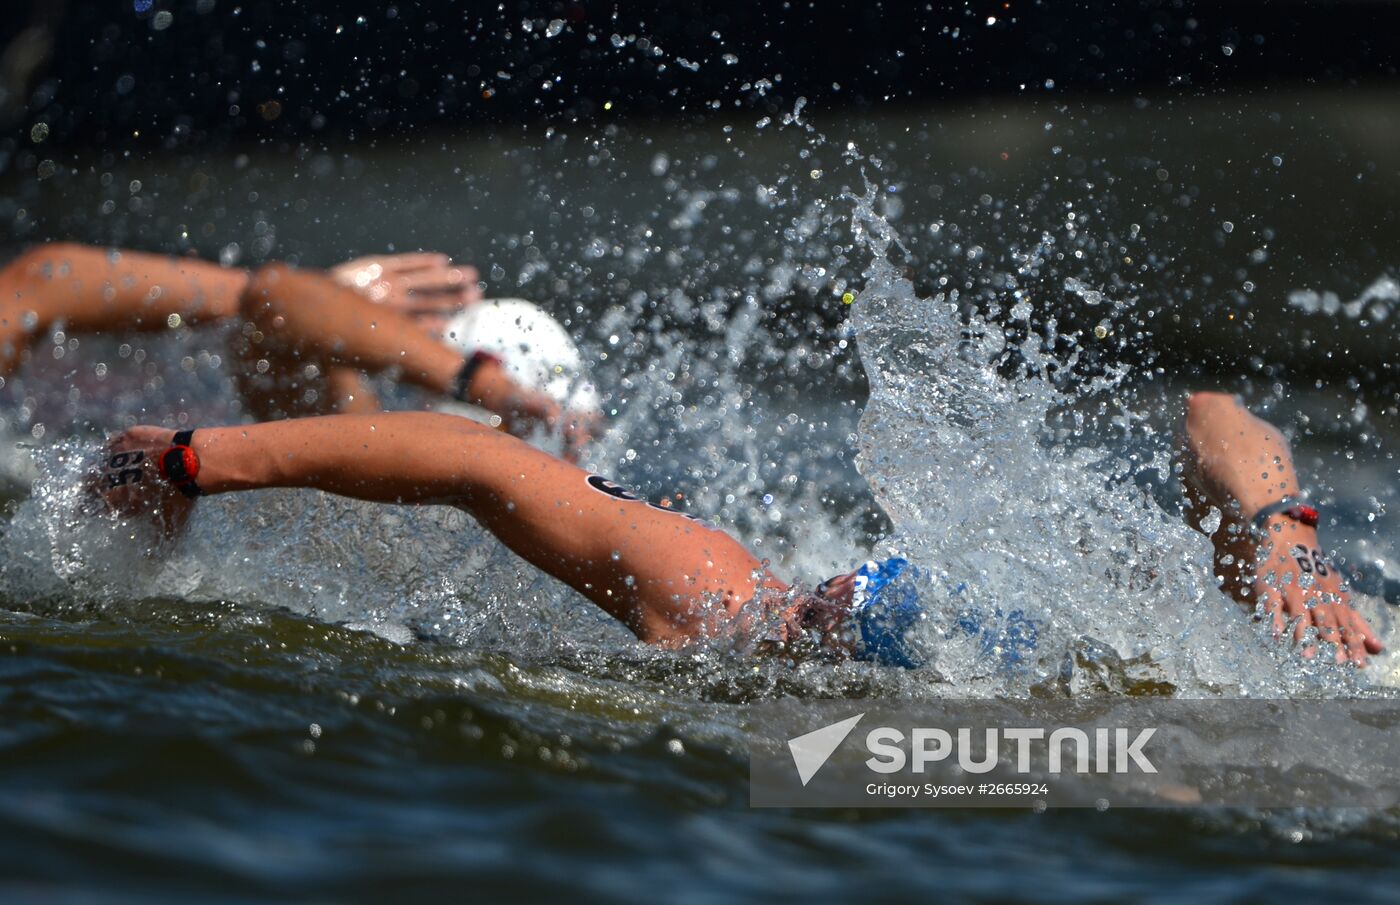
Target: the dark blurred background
pixel 1218 158
pixel 190 73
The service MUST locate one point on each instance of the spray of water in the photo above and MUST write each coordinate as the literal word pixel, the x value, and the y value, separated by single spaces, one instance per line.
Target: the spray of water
pixel 974 442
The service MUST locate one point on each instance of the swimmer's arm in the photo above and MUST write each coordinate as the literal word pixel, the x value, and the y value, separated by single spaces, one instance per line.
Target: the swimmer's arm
pixel 1238 464
pixel 658 572
pixel 92 289
pixel 95 289
pixel 305 316
pixel 1244 461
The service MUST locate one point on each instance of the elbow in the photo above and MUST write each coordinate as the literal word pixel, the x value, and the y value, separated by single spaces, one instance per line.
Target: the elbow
pixel 263 293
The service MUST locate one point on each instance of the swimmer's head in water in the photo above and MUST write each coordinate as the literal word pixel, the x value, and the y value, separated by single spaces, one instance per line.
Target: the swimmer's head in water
pixel 882 609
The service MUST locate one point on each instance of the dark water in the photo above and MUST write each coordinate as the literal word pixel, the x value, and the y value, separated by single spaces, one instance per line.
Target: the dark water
pixel 171 757
pixel 177 751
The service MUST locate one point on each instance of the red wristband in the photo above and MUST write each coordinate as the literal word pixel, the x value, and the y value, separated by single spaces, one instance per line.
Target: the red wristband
pixel 180 465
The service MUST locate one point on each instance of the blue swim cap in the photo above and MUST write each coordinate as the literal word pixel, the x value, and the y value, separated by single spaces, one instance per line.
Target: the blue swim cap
pixel 883 611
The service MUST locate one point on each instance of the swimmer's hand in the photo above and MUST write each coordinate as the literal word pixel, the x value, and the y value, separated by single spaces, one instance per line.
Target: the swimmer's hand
pixel 426 285
pixel 128 482
pixel 578 430
pixel 815 618
pixel 1237 464
pixel 522 409
pixel 1297 586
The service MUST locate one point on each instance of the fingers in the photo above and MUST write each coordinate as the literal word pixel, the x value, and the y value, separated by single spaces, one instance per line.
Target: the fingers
pixel 418 282
pixel 1301 620
pixel 1272 602
pixel 435 322
pixel 471 291
pixel 1355 632
pixel 363 271
pixel 1372 643
pixel 441 279
pixel 1324 621
pixel 1331 623
pixel 1357 636
pixel 408 261
pixel 578 430
pixel 1340 625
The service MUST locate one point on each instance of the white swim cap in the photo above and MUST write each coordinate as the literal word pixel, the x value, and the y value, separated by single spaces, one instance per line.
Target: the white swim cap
pixel 534 347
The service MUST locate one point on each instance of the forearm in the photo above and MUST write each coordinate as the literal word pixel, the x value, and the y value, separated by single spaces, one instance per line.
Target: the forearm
pixel 654 570
pixel 95 289
pixel 310 314
pixel 1242 461
pixel 384 457
pixel 1238 464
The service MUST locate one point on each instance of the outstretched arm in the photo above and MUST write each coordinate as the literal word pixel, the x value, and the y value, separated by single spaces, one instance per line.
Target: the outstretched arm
pixel 97 290
pixel 303 317
pixel 94 289
pixel 296 319
pixel 1239 464
pixel 666 576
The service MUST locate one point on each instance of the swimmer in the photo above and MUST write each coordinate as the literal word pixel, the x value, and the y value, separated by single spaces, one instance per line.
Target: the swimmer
pixel 674 580
pixel 306 337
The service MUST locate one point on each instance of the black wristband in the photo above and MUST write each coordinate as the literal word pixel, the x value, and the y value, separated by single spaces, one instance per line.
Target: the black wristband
pixel 1291 507
pixel 462 389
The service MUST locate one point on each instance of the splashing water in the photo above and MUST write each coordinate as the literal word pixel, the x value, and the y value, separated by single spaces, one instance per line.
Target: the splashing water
pixel 987 474
pixel 1017 523
pixel 1375 302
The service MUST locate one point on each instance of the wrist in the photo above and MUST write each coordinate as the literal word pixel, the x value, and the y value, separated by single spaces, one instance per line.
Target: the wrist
pixel 476 382
pixel 1290 514
pixel 229 459
pixel 1283 525
pixel 1281 534
pixel 179 464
